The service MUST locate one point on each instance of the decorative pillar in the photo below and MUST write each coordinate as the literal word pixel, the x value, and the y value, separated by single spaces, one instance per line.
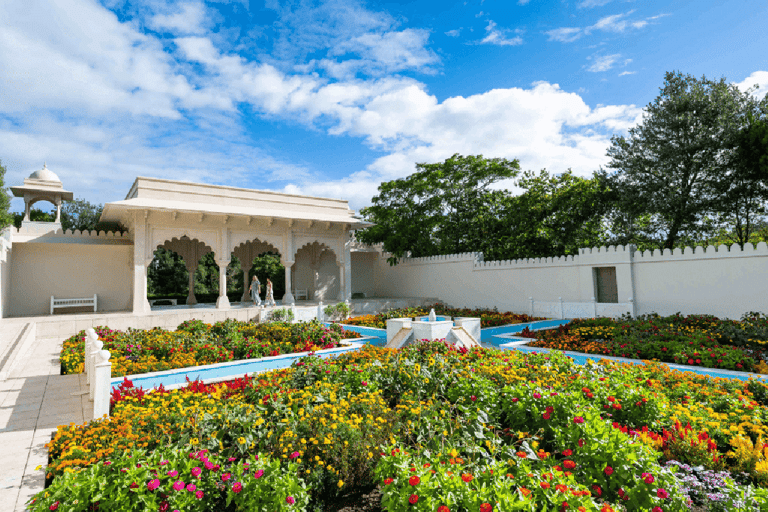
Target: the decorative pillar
pixel 246 296
pixel 140 264
pixel 58 210
pixel 26 209
pixel 342 280
pixel 288 298
pixel 102 375
pixel 223 301
pixel 191 299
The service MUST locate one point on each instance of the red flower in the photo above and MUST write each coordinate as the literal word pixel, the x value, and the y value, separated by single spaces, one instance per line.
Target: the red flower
pixel 608 470
pixel 467 477
pixel 546 416
pixel 388 481
pixel 578 419
pixel 54 506
pixel 413 499
pixel 661 493
pixel 567 453
pixel 443 508
pixel 656 509
pixel 486 507
pixel 597 490
pixel 414 480
pixel 569 464
pixel 581 443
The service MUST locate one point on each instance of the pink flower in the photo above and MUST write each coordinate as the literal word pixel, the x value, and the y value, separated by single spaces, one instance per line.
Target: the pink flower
pixel 178 485
pixel 173 473
pixel 153 484
pixel 515 400
pixel 237 487
pixel 225 477
pixel 578 419
pixel 191 487
pixel 196 471
pixel 231 459
pixel 648 478
pixel 661 493
pixel 258 473
pixel 536 395
pixel 289 500
pixel 163 462
pixel 54 506
pixel 209 465
pixel 656 509
pixel 294 455
pixel 364 383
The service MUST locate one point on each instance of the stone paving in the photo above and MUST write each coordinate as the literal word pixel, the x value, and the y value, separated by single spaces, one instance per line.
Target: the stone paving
pixel 34 400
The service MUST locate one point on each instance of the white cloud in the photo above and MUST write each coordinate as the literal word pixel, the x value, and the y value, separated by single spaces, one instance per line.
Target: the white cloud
pixel 103 103
pixel 523 2
pixel 587 4
pixel 190 18
pixel 478 15
pixel 564 34
pixel 759 79
pixel 624 73
pixel 454 33
pixel 603 62
pixel 616 23
pixel 498 37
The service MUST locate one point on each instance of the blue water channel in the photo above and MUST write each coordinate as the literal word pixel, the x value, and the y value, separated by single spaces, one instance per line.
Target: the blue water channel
pixel 492 337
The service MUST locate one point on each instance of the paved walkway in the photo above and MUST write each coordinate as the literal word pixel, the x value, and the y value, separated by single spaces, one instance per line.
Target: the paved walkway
pixel 34 400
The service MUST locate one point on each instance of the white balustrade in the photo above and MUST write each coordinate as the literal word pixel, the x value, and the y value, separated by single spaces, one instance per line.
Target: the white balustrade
pixel 320 312
pixel 96 346
pixel 102 375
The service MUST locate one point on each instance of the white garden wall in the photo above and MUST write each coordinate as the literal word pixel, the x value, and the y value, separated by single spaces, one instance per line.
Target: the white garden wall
pixel 69 270
pixel 725 282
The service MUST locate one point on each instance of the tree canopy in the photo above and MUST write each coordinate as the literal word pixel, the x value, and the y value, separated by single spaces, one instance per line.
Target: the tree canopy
pixel 5 200
pixel 678 166
pixel 442 208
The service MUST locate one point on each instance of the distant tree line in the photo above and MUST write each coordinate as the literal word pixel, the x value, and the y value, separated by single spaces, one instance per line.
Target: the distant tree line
pixel 693 172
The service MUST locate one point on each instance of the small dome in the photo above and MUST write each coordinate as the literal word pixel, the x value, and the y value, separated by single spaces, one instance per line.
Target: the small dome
pixel 44 174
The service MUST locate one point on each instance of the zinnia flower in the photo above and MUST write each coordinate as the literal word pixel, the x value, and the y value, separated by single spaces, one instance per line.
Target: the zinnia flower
pixel 289 500
pixel 178 485
pixel 388 481
pixel 199 495
pixel 225 477
pixel 237 487
pixel 414 480
pixel 191 487
pixel 661 493
pixel 153 484
pixel 259 473
pixel 196 471
pixel 608 470
pixel 486 507
pixel 443 508
pixel 413 499
pixel 578 419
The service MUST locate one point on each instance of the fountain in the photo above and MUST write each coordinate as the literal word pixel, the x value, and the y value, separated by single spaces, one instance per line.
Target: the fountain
pixel 461 331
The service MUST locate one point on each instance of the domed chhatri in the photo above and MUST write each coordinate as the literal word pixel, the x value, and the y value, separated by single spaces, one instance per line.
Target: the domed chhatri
pixel 44 174
pixel 42 185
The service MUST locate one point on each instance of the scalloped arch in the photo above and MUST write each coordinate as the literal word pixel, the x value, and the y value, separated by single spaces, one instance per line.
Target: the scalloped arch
pixel 325 247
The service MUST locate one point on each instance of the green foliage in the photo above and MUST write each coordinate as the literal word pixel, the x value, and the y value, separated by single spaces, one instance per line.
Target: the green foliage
pixel 676 171
pixel 5 200
pixel 337 312
pixel 282 315
pixel 167 274
pixel 442 208
pixel 35 215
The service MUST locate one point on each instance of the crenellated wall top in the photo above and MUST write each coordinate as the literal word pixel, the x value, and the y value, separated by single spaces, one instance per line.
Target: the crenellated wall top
pixel 52 234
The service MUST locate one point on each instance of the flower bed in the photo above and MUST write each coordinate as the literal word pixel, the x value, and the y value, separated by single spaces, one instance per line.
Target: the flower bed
pixel 690 340
pixel 432 428
pixel 488 317
pixel 196 343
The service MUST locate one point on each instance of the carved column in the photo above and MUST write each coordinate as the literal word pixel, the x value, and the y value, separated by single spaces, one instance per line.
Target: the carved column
pixel 140 263
pixel 342 280
pixel 191 269
pixel 288 297
pixel 223 301
pixel 246 283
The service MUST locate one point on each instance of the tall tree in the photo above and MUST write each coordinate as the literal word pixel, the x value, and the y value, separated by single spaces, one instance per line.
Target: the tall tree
pixel 5 200
pixel 439 209
pixel 669 166
pixel 80 214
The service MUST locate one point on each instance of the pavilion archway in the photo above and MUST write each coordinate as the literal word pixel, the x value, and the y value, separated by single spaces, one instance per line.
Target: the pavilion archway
pixel 318 271
pixel 247 252
pixel 191 251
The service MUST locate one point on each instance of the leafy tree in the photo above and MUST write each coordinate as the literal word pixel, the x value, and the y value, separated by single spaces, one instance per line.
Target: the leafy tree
pixel 167 274
pixel 442 208
pixel 671 166
pixel 5 200
pixel 35 215
pixel 82 215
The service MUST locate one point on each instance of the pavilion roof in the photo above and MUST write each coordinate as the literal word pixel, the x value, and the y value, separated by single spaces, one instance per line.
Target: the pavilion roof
pixel 184 197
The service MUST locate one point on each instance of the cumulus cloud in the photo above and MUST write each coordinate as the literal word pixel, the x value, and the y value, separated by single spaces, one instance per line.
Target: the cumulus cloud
pixel 587 4
pixel 102 102
pixel 603 62
pixel 498 37
pixel 616 23
pixel 187 18
pixel 759 79
pixel 454 33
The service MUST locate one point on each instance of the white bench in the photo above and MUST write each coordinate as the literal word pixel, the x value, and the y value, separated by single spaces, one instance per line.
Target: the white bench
pixel 300 294
pixel 174 302
pixel 73 303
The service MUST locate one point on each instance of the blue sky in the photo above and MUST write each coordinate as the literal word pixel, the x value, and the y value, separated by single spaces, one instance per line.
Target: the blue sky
pixel 333 97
